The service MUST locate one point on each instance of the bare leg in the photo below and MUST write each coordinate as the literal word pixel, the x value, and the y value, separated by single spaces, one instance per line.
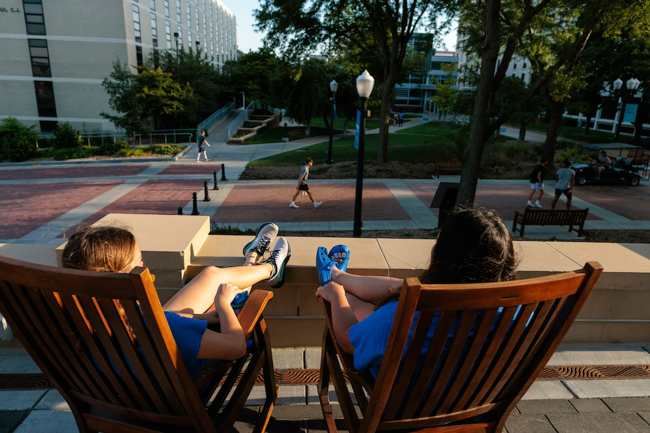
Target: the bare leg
pixel 198 295
pixel 311 197
pixel 557 196
pixel 568 201
pixel 532 193
pixel 295 196
pixel 361 309
pixel 366 288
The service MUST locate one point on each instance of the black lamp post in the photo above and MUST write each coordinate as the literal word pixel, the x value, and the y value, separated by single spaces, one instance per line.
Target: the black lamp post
pixel 365 83
pixel 178 76
pixel 333 86
pixel 632 84
pixel 198 47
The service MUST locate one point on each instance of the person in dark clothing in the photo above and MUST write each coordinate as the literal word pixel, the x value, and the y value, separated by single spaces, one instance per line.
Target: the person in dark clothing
pixel 201 141
pixel 537 182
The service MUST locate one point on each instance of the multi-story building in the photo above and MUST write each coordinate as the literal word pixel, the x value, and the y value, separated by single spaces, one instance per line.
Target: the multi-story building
pixel 413 95
pixel 55 54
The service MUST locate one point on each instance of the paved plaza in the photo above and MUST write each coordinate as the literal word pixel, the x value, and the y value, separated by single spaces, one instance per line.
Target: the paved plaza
pixel 44 203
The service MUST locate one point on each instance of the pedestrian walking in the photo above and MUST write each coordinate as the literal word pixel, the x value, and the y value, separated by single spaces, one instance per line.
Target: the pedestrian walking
pixel 401 119
pixel 302 186
pixel 201 141
pixel 564 185
pixel 395 119
pixel 537 182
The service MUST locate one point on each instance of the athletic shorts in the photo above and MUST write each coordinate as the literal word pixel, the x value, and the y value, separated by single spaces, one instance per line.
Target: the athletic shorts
pixel 537 186
pixel 559 192
pixel 303 187
pixel 201 149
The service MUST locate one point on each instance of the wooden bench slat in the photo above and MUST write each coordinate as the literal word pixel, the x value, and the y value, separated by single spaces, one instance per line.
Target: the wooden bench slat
pixel 548 217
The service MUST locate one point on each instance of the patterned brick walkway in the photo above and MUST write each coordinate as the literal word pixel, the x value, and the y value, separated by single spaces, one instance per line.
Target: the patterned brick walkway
pixel 197 168
pixel 156 196
pixel 73 172
pixel 24 208
pixel 252 203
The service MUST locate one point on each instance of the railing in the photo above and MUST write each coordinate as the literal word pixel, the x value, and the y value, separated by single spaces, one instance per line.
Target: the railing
pixel 239 120
pixel 215 117
pixel 159 136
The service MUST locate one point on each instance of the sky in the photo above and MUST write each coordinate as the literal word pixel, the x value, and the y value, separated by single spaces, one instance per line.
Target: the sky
pixel 248 39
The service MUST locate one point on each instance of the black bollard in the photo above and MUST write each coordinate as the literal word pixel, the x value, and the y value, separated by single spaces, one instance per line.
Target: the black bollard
pixel 180 210
pixel 223 173
pixel 195 205
pixel 216 186
pixel 206 197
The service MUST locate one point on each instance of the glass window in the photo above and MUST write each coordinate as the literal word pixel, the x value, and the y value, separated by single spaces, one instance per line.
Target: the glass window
pixel 48 125
pixel 34 19
pixel 203 4
pixel 514 66
pixel 44 91
pixel 136 24
pixel 33 9
pixel 167 8
pixel 524 64
pixel 211 23
pixel 523 77
pixel 152 5
pixel 196 19
pixel 38 52
pixel 154 30
pixel 205 27
pixel 189 38
pixel 180 36
pixel 168 34
pixel 138 55
pixel 189 14
pixel 210 7
pixel 178 11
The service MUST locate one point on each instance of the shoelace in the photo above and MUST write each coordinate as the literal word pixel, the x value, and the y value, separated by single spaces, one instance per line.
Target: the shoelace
pixel 272 260
pixel 262 246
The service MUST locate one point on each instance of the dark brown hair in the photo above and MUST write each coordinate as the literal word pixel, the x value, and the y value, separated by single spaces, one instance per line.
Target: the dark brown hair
pixel 100 249
pixel 474 246
pixel 309 160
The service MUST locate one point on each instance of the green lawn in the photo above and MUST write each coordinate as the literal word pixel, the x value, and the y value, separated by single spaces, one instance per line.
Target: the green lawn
pixel 339 123
pixel 577 134
pixel 273 135
pixel 413 148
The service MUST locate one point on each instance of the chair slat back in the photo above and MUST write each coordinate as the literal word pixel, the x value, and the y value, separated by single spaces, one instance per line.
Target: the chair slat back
pixel 475 348
pixel 102 338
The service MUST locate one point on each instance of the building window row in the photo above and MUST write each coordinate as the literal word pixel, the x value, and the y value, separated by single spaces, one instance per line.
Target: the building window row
pixel 40 58
pixel 166 5
pixel 34 17
pixel 178 11
pixel 136 24
pixel 154 30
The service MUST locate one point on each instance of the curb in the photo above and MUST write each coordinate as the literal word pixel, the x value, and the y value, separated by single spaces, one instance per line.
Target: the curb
pixel 97 161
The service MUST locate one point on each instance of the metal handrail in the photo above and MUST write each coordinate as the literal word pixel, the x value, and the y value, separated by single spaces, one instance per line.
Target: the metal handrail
pixel 215 117
pixel 238 121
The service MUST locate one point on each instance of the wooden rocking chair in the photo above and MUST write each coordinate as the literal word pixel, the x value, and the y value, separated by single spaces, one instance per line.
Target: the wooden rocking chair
pixel 468 379
pixel 104 342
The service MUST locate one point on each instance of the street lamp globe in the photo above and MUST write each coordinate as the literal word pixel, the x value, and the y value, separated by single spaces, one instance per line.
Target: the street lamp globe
pixel 334 85
pixel 365 83
pixel 618 84
pixel 632 84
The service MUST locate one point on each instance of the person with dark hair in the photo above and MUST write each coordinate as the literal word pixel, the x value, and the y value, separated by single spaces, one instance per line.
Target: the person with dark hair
pixel 201 141
pixel 601 164
pixel 564 183
pixel 537 182
pixel 303 186
pixel 114 249
pixel 473 246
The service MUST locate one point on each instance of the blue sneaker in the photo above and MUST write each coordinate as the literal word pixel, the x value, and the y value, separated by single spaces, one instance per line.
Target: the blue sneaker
pixel 239 300
pixel 340 255
pixel 324 266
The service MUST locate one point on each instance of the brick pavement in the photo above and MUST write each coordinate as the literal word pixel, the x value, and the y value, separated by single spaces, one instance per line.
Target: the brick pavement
pixel 73 172
pixel 24 208
pixel 628 201
pixel 156 197
pixel 504 199
pixel 252 203
pixel 196 168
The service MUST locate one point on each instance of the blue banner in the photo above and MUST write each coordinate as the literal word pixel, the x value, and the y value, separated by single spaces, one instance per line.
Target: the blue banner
pixel 334 110
pixel 356 133
pixel 630 113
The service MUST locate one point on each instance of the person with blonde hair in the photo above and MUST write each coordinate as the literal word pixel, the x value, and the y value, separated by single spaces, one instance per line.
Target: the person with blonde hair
pixel 114 249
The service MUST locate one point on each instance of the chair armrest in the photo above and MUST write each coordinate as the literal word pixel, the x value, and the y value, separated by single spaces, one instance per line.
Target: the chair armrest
pixel 347 361
pixel 214 368
pixel 252 310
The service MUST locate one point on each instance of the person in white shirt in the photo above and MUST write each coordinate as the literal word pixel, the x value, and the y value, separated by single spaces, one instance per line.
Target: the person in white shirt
pixel 564 177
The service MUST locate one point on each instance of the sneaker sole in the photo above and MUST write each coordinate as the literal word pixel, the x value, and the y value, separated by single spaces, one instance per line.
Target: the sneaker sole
pixel 259 229
pixel 284 264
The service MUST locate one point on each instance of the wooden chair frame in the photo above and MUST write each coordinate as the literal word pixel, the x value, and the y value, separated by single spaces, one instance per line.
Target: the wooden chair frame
pixel 104 342
pixel 466 382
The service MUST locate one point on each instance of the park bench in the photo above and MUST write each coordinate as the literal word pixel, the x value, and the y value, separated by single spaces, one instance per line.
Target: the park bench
pixel 447 166
pixel 638 157
pixel 550 217
pixel 103 340
pixel 490 343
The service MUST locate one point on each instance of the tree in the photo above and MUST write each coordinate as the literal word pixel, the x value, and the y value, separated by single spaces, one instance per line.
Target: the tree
pixel 252 73
pixel 150 99
pixel 308 96
pixel 446 94
pixel 67 137
pixel 494 30
pixel 17 141
pixel 301 26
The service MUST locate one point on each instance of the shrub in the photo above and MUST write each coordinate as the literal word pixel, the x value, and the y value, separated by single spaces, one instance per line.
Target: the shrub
pixel 108 149
pixel 135 152
pixel 17 141
pixel 506 154
pixel 573 154
pixel 161 149
pixel 215 229
pixel 66 136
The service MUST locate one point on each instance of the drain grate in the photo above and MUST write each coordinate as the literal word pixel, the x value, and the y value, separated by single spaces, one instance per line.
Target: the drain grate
pixel 310 377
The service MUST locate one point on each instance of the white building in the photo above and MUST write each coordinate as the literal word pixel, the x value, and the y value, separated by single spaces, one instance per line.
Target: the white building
pixel 55 54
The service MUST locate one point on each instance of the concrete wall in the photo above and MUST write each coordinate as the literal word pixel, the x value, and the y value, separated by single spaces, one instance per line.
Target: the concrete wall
pixel 176 248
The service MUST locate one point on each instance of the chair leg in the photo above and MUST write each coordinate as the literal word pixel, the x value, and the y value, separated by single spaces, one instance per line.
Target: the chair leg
pixel 269 378
pixel 323 387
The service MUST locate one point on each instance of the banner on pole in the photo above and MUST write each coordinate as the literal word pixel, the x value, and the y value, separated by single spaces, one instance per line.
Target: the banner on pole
pixel 356 133
pixel 630 113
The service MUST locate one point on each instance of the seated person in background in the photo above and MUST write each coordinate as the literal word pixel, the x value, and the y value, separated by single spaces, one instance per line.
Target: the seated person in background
pixel 113 249
pixel 603 163
pixel 473 246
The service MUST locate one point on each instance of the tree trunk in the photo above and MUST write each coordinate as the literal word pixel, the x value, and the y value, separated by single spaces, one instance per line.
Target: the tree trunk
pixel 384 118
pixel 308 128
pixel 588 123
pixel 480 126
pixel 555 112
pixel 522 132
pixel 326 121
pixel 345 126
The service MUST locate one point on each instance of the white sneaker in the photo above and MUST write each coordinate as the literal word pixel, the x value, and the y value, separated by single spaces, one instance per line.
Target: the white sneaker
pixel 318 203
pixel 6 334
pixel 198 160
pixel 537 205
pixel 293 205
pixel 279 258
pixel 264 236
pixel 207 159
